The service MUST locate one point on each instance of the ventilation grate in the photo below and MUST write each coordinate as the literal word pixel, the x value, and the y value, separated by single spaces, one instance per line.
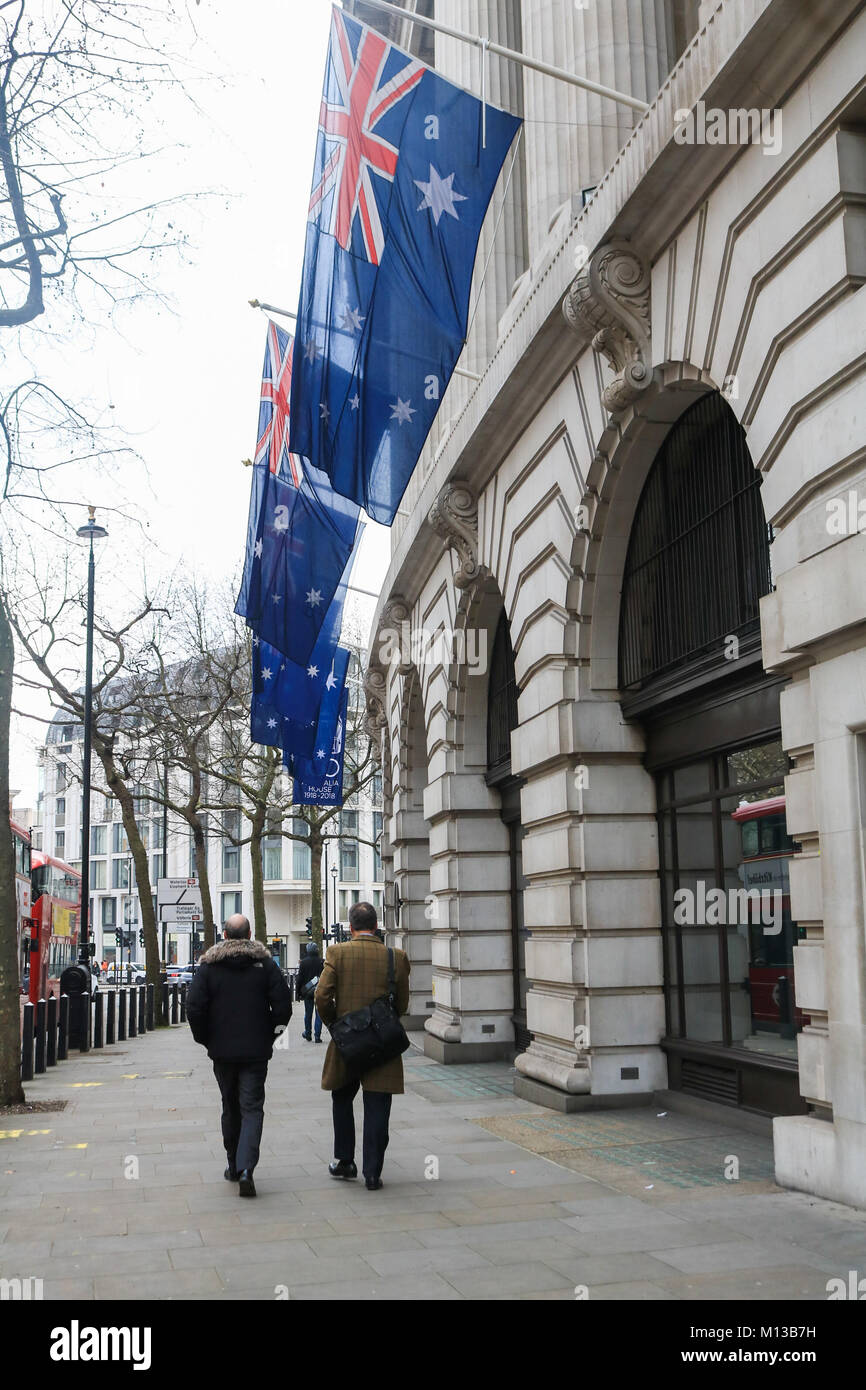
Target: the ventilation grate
pixel 711 1083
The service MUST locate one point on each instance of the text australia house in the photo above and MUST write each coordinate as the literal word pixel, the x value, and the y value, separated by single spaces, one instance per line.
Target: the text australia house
pixel 631 506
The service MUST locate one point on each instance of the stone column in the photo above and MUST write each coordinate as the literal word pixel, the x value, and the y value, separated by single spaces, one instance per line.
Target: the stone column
pixel 572 137
pixel 470 922
pixel 507 251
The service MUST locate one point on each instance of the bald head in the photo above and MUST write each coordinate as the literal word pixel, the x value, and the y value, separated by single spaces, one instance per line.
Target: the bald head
pixel 237 928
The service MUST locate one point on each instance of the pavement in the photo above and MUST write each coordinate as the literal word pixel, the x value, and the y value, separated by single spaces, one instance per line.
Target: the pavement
pixel 120 1195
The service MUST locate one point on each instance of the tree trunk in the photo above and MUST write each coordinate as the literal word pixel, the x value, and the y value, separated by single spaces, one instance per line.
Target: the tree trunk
pixel 316 845
pixel 200 844
pixel 256 832
pixel 118 788
pixel 11 1092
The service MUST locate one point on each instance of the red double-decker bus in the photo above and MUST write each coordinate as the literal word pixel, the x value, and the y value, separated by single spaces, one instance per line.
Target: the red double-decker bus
pixel 21 849
pixel 55 891
pixel 767 850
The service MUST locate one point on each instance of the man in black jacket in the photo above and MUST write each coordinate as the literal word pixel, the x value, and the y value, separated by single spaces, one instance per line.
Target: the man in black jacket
pixel 237 999
pixel 307 978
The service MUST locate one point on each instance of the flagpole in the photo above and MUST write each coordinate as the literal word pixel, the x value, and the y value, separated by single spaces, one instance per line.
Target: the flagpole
pixel 288 314
pixel 490 47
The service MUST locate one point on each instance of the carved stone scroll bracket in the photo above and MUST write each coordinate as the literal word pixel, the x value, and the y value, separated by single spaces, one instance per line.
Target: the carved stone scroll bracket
pixel 454 517
pixel 611 299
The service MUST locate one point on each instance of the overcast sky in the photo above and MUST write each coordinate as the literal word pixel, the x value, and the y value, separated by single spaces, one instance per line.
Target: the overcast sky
pixel 184 381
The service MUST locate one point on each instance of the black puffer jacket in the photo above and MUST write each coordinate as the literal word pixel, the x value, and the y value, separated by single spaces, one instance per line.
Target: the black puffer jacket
pixel 237 998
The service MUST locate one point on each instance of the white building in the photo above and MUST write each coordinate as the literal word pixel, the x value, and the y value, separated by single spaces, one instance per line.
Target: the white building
pixel 285 862
pixel 646 520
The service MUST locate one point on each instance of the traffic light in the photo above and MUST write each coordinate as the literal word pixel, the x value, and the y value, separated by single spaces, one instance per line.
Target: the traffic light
pixel 141 937
pixel 309 926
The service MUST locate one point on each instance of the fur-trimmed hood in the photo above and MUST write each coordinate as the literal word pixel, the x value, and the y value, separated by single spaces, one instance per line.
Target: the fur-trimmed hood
pixel 239 952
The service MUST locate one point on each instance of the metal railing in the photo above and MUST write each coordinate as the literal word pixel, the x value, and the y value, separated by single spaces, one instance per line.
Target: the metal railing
pixel 115 1016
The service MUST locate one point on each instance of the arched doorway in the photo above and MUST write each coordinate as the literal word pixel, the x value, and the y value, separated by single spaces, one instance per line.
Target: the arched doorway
pixel 697 566
pixel 501 720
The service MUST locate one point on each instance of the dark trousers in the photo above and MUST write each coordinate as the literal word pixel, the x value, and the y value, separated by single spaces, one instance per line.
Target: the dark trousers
pixel 309 1006
pixel 377 1109
pixel 242 1087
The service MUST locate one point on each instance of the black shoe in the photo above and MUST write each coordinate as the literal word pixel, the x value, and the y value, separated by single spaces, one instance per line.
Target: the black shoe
pixel 318 1039
pixel 307 1036
pixel 247 1186
pixel 231 1174
pixel 339 1169
pixel 373 1184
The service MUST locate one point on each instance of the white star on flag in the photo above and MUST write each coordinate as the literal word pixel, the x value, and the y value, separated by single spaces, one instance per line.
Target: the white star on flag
pixel 277 598
pixel 266 673
pixel 272 723
pixel 403 411
pixel 312 671
pixel 355 401
pixel 331 681
pixel 352 320
pixel 324 412
pixel 439 195
pixel 320 752
pixel 256 641
pixel 314 597
pixel 258 549
pixel 311 351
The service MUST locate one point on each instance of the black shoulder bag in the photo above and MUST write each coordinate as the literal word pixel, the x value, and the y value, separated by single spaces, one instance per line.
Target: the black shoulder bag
pixel 370 1036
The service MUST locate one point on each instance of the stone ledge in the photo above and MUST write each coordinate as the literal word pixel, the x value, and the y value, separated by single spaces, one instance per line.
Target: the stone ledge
pixel 454 1052
pixel 539 1093
pixel 700 1109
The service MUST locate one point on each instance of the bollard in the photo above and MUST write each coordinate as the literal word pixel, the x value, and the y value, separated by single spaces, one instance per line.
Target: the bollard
pixel 121 1015
pixel 51 1049
pixel 174 1003
pixel 164 1001
pixel 131 1014
pixel 27 1044
pixel 151 1021
pixel 97 1021
pixel 142 1008
pixel 63 1029
pixel 183 1002
pixel 40 1038
pixel 111 1014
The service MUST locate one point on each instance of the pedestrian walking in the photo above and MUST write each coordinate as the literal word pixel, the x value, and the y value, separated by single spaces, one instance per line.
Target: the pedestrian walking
pixel 354 975
pixel 237 998
pixel 309 971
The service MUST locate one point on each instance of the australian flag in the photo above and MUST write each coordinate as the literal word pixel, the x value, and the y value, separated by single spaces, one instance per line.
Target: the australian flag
pixel 300 533
pixel 401 186
pixel 296 707
pixel 316 784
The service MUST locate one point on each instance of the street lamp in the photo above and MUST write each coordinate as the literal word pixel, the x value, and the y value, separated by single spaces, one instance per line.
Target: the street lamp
pixel 92 532
pixel 334 877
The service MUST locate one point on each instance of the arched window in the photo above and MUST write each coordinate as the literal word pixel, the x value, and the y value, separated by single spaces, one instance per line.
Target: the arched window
pixel 501 704
pixel 698 559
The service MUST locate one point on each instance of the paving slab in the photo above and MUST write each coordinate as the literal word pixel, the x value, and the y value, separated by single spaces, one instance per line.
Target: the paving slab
pixel 528 1204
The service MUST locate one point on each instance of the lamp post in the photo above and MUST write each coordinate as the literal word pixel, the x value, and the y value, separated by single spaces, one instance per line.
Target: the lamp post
pixel 334 878
pixel 90 532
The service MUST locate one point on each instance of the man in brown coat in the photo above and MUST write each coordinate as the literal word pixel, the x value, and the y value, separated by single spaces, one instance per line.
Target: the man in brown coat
pixel 355 974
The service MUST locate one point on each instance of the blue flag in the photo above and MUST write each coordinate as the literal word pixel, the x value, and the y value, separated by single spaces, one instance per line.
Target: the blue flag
pixel 317 786
pixel 401 186
pixel 296 707
pixel 299 541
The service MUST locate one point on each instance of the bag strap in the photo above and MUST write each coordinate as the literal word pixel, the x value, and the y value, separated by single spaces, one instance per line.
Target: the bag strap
pixel 392 983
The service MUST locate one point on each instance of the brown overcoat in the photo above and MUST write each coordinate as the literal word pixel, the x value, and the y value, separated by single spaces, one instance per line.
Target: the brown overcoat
pixel 355 974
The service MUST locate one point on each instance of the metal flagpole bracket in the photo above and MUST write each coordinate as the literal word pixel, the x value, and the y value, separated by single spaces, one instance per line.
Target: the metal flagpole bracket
pixel 501 52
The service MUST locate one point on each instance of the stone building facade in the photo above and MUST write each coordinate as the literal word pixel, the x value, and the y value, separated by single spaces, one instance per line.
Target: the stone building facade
pixel 574 683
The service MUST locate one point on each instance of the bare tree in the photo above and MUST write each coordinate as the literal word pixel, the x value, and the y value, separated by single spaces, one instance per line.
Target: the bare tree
pixel 76 77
